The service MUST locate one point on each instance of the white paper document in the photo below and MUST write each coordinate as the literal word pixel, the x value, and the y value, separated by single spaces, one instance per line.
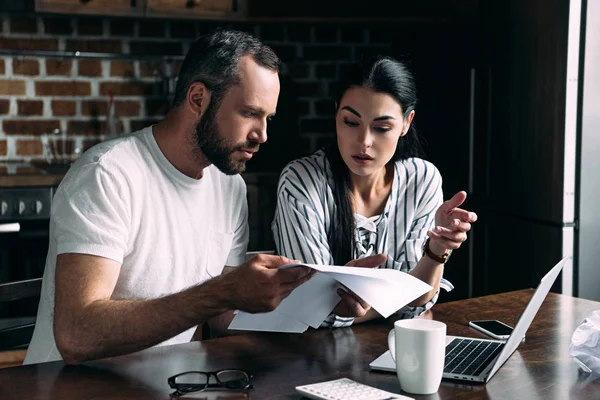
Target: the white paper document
pixel 386 290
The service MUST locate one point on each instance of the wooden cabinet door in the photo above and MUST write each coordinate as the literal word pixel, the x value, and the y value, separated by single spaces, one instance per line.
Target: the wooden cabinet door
pixel 194 8
pixel 96 7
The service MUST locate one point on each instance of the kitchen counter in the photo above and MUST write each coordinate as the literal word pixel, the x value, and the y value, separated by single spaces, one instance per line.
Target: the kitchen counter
pixel 25 174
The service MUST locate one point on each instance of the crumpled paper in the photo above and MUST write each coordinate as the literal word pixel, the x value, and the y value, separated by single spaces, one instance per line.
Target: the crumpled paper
pixel 585 343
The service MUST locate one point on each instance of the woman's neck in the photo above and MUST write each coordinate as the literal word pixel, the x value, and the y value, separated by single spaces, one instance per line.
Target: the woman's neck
pixel 370 193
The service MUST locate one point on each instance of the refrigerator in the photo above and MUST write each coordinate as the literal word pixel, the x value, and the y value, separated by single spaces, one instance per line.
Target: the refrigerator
pixel 508 106
pixel 540 177
pixel 586 277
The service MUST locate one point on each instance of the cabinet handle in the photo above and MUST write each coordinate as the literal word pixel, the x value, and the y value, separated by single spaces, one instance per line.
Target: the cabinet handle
pixel 8 228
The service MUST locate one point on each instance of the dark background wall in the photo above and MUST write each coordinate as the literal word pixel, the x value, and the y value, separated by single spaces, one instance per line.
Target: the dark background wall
pixel 42 94
pixel 491 78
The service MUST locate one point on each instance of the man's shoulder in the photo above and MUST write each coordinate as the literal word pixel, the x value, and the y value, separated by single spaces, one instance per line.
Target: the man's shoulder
pixel 121 150
pixel 119 157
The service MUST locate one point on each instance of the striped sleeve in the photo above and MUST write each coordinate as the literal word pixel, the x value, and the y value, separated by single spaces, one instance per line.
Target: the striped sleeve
pixel 427 199
pixel 301 219
pixel 298 227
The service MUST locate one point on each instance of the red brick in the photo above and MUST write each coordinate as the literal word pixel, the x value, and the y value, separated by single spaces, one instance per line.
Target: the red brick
pixel 3 147
pixel 87 143
pixel 86 127
pixel 26 67
pixel 2 67
pixel 125 88
pixel 150 68
pixel 29 126
pixel 57 26
pixel 94 107
pixel 122 26
pixel 90 26
pixel 90 68
pixel 59 67
pixel 29 147
pixel 140 124
pixel 4 106
pixel 30 107
pixel 176 67
pixel 155 47
pixel 63 107
pixel 62 88
pixel 28 44
pixel 61 149
pixel 127 108
pixel 94 46
pixel 23 25
pixel 184 29
pixel 157 106
pixel 12 87
pixel 152 28
pixel 122 68
pixel 28 169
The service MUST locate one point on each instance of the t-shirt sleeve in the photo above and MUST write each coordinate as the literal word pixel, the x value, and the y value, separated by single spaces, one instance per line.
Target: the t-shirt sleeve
pixel 241 236
pixel 91 214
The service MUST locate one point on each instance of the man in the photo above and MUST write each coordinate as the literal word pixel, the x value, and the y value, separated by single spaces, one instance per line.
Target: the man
pixel 143 225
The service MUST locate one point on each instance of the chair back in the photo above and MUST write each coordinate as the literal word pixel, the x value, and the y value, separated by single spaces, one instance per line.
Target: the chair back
pixel 16 332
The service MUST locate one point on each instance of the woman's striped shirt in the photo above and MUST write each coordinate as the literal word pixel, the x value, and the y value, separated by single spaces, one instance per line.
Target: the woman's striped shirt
pixel 305 216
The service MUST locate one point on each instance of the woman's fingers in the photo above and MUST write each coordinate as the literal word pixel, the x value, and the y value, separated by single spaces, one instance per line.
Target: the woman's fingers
pixel 457 225
pixel 448 240
pixel 463 215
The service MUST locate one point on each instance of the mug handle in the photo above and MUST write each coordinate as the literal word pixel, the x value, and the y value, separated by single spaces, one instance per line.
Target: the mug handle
pixel 392 343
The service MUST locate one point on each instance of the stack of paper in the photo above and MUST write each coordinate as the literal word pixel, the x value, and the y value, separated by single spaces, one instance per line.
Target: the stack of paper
pixel 386 290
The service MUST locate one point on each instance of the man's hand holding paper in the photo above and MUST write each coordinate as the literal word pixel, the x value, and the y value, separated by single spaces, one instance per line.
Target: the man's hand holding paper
pixel 385 290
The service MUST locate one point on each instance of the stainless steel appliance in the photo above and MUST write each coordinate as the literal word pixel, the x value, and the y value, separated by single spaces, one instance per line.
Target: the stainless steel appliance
pixel 24 227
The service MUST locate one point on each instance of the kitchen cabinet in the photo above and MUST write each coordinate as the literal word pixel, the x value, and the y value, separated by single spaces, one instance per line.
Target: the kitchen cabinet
pixel 361 10
pixel 96 7
pixel 148 8
pixel 192 8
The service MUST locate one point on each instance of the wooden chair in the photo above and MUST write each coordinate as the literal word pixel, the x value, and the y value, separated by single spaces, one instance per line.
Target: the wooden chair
pixel 16 332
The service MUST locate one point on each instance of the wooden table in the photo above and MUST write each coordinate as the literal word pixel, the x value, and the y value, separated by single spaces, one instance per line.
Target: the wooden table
pixel 540 368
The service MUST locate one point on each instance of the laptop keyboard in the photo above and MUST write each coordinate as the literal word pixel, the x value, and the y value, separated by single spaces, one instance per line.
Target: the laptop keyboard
pixel 469 356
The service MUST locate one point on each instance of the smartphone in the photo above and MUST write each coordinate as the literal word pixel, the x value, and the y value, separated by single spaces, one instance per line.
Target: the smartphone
pixel 491 327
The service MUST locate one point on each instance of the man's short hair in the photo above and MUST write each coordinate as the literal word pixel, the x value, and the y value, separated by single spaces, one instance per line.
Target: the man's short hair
pixel 214 60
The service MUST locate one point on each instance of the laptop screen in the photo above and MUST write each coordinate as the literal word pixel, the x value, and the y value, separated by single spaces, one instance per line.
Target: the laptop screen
pixel 528 314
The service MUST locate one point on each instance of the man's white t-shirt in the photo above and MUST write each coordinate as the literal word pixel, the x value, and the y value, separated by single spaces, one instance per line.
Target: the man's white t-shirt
pixel 123 200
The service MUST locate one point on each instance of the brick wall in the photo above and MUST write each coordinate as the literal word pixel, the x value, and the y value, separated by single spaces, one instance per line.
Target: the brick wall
pixel 41 95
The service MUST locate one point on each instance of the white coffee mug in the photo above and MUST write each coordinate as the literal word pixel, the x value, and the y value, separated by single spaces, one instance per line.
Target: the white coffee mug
pixel 418 346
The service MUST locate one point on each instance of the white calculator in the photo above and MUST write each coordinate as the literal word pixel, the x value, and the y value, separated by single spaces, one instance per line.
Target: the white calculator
pixel 346 389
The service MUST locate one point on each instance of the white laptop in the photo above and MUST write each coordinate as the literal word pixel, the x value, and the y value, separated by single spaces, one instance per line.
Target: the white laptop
pixel 478 359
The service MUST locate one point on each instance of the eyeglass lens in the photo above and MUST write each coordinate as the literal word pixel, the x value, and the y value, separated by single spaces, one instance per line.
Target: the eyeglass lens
pixel 192 378
pixel 233 379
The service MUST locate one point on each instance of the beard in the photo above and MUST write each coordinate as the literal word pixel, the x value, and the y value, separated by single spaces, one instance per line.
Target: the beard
pixel 217 149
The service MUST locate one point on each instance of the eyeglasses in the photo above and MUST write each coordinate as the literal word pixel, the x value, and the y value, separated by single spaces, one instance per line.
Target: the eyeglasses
pixel 194 381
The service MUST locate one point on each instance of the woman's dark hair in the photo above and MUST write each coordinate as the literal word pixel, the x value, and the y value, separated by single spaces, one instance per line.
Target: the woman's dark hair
pixel 214 60
pixel 382 75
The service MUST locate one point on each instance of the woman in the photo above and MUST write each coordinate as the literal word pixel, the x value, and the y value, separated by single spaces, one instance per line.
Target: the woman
pixel 370 193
